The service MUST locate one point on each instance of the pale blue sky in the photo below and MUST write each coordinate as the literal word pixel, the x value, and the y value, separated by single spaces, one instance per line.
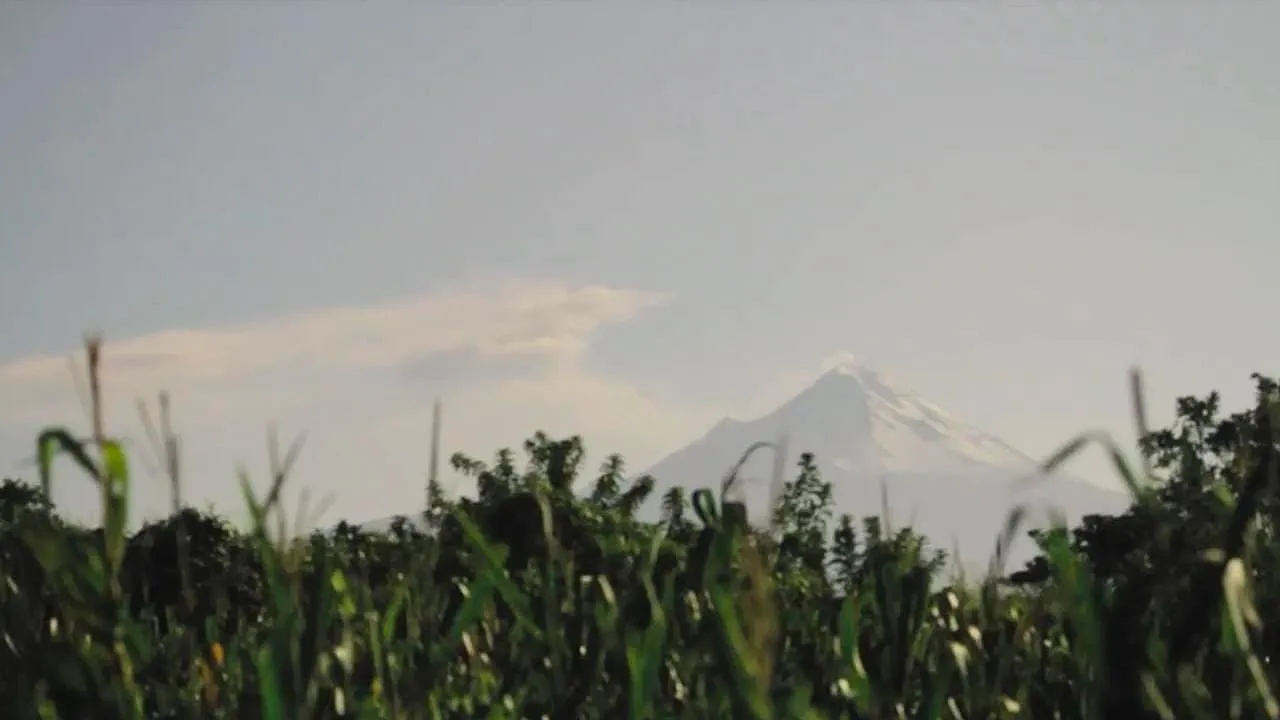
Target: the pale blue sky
pixel 622 221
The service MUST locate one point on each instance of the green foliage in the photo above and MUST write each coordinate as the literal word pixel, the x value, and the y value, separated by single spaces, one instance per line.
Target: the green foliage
pixel 546 596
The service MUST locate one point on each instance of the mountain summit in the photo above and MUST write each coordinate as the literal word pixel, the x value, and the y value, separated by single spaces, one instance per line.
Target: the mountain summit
pixel 948 480
pixel 883 427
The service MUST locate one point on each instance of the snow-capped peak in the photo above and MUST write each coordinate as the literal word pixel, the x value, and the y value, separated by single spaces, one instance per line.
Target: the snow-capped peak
pixel 870 433
pixel 871 421
pixel 844 363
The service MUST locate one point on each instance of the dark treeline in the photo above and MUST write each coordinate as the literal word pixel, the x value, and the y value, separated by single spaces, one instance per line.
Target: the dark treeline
pixel 536 600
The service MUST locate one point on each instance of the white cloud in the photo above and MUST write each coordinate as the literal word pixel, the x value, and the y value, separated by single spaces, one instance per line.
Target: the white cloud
pixel 549 320
pixel 350 378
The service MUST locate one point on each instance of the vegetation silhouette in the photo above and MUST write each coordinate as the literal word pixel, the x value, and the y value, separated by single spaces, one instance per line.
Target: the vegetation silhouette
pixel 546 596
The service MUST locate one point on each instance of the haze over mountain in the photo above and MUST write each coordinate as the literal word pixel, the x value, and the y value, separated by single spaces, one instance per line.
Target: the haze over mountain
pixel 949 481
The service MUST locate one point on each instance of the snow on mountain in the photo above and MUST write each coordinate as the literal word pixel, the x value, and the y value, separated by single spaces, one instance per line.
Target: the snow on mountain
pixel 890 428
pixel 946 479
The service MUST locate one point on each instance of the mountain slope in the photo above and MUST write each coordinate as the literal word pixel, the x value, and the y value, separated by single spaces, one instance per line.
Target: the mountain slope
pixel 946 479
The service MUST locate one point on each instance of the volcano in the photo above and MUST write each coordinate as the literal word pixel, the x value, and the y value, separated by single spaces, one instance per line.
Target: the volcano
pixel 882 446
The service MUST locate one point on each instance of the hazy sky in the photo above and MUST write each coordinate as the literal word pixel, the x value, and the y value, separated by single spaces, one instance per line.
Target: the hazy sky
pixel 619 221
